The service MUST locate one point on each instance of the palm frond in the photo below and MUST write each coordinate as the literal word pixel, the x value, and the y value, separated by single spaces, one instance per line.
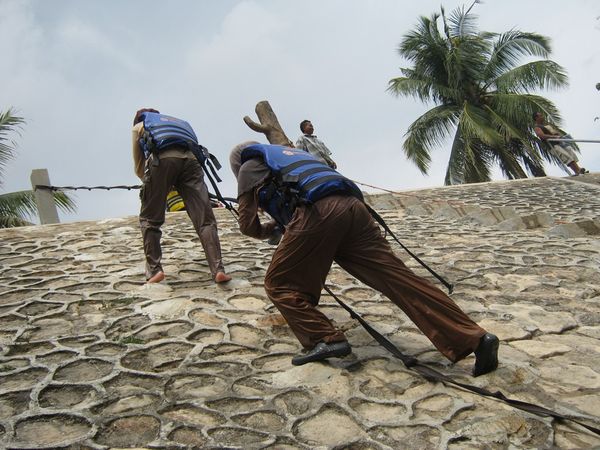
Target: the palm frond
pixel 426 48
pixel 462 23
pixel 410 87
pixel 65 202
pixel 509 162
pixel 464 64
pixel 476 126
pixel 9 124
pixel 427 132
pixel 511 47
pixel 13 221
pixel 534 168
pixel 21 205
pixel 506 128
pixel 478 138
pixel 424 89
pixel 519 108
pixel 534 75
pixel 478 162
pixel 425 36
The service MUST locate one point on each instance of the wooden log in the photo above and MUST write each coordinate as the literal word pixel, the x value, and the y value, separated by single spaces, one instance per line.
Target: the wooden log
pixel 269 125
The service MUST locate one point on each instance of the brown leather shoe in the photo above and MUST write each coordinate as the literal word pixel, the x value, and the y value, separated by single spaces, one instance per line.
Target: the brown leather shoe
pixel 157 277
pixel 222 277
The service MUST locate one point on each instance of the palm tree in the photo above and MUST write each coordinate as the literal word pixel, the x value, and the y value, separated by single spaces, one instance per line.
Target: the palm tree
pixel 17 207
pixel 481 95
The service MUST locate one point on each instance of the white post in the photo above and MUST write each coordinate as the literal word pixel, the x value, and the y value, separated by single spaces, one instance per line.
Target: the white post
pixel 43 197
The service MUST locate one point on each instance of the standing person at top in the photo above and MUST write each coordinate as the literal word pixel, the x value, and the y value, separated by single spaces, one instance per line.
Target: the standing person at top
pixel 310 143
pixel 328 221
pixel 163 158
pixel 562 150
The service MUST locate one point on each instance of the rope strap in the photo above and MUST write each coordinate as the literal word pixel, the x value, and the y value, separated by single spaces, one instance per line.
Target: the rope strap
pixel 433 375
pixel 381 222
pixel 108 188
pixel 88 188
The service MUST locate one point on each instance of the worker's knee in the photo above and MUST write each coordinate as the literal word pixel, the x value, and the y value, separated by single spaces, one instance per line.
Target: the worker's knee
pixel 271 286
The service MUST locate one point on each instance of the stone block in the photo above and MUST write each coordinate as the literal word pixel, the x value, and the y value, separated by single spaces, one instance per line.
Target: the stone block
pixel 590 227
pixel 538 220
pixel 417 210
pixel 410 200
pixel 484 217
pixel 527 222
pixel 513 224
pixel 491 216
pixel 447 212
pixel 466 210
pixel 385 201
pixel 567 230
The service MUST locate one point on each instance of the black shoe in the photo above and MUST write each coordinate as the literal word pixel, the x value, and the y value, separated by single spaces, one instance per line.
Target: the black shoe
pixel 583 170
pixel 323 351
pixel 486 355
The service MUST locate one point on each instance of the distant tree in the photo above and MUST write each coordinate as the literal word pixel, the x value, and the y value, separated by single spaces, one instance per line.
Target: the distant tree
pixel 481 95
pixel 17 207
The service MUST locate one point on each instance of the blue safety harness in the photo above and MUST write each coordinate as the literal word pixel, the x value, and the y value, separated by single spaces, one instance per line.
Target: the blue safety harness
pixel 298 178
pixel 162 132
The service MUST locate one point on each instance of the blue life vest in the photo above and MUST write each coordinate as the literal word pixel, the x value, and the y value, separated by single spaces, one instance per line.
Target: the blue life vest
pixel 161 131
pixel 298 178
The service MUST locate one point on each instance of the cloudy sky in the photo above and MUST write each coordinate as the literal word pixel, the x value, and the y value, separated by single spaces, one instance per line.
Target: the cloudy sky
pixel 77 70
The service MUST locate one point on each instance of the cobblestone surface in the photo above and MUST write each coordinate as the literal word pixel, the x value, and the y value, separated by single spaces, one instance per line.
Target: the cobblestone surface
pixel 91 357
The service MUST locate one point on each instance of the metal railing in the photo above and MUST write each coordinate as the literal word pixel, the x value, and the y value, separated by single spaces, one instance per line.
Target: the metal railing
pixel 592 141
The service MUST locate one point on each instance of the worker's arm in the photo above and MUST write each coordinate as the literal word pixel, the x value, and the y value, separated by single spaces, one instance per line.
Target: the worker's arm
pixel 543 136
pixel 138 155
pixel 248 219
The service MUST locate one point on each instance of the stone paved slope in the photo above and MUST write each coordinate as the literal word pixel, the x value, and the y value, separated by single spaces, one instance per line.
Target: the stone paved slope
pixel 90 357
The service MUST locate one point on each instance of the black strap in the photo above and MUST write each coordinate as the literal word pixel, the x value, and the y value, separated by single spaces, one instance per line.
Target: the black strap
pixel 160 127
pixel 218 193
pixel 308 172
pixel 303 162
pixel 322 180
pixel 215 162
pixel 208 164
pixel 381 222
pixel 204 160
pixel 433 375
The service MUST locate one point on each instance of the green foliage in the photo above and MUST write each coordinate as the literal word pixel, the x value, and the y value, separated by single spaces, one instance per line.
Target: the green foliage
pixel 482 96
pixel 17 207
pixel 9 124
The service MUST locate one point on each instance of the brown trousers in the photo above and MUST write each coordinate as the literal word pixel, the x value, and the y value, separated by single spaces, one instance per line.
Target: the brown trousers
pixel 186 175
pixel 341 229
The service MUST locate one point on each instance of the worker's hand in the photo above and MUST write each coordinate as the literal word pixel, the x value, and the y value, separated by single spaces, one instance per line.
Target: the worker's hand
pixel 275 236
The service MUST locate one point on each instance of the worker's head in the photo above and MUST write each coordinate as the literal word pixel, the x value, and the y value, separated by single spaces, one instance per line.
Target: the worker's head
pixel 306 127
pixel 538 116
pixel 139 112
pixel 235 157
